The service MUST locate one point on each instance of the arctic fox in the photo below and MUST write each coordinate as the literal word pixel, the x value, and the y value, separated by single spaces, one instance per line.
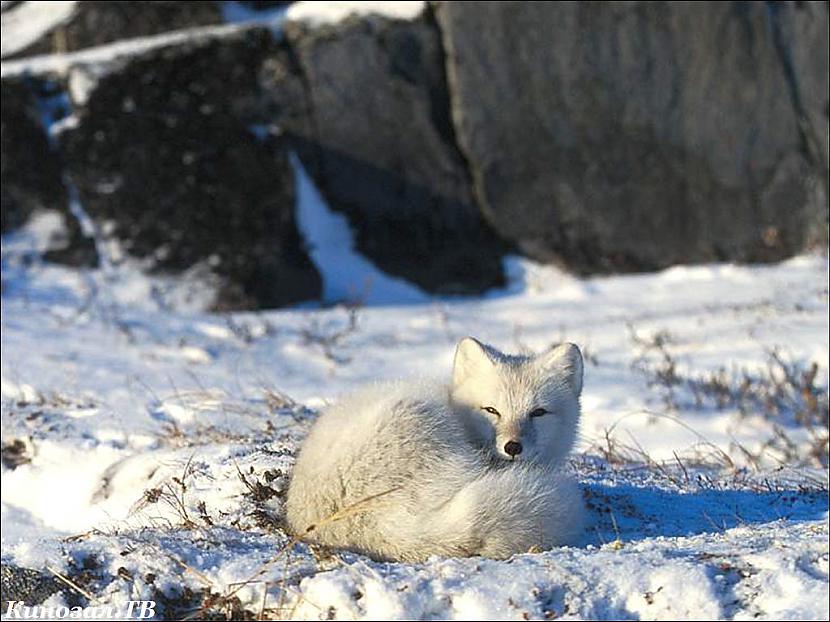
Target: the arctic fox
pixel 403 471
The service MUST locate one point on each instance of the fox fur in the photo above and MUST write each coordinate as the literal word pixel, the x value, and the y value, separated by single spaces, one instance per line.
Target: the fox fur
pixel 404 471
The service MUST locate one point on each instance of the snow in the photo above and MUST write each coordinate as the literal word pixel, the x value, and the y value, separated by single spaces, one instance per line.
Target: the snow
pixel 319 13
pixel 662 579
pixel 25 23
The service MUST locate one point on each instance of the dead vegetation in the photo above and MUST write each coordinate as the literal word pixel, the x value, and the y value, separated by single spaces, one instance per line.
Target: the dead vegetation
pixel 784 393
pixel 329 338
pixel 280 597
pixel 250 330
pixel 261 490
pixel 704 467
pixel 15 452
pixel 172 493
pixel 243 420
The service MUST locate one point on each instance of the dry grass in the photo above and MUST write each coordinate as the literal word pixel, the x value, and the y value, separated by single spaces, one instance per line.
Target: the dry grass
pixel 218 604
pixel 783 392
pixel 329 340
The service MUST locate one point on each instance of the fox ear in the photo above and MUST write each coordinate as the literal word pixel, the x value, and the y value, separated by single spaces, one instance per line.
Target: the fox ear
pixel 564 359
pixel 471 358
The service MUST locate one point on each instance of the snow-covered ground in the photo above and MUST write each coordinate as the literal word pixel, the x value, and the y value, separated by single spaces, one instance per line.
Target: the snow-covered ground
pixel 146 444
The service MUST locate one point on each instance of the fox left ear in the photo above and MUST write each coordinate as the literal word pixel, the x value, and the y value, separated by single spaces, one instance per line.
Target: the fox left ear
pixel 565 359
pixel 472 358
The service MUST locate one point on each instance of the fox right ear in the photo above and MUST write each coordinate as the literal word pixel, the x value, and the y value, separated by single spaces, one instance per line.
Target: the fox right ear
pixel 471 358
pixel 565 359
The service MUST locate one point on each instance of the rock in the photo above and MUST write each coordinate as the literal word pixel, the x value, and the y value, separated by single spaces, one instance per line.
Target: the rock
pixel 170 155
pixel 632 136
pixel 95 23
pixel 30 174
pixel 800 29
pixel 376 137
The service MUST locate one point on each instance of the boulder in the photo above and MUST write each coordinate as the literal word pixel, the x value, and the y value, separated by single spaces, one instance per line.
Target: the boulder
pixel 375 134
pixel 171 157
pixel 633 136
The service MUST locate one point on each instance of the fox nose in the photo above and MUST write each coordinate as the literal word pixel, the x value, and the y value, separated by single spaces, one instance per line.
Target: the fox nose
pixel 512 448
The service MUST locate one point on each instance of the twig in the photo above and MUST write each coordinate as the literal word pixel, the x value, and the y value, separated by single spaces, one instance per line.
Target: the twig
pixel 72 584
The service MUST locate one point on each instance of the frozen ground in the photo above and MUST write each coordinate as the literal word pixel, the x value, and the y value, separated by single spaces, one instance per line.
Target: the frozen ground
pixel 146 445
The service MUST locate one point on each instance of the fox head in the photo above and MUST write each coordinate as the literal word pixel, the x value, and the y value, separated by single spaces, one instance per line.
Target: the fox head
pixel 519 407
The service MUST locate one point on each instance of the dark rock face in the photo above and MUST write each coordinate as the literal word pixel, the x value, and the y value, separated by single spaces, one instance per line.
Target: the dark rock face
pixel 801 34
pixel 30 174
pixel 169 153
pixel 634 136
pixel 377 138
pixel 98 22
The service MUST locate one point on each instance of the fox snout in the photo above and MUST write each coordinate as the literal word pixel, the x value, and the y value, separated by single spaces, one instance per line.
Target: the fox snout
pixel 513 440
pixel 512 448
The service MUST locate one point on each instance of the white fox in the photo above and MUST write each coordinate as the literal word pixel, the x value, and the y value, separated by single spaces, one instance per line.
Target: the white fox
pixel 403 471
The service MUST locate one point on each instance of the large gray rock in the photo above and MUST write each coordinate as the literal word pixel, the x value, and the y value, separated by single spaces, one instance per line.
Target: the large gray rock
pixel 627 136
pixel 170 154
pixel 376 136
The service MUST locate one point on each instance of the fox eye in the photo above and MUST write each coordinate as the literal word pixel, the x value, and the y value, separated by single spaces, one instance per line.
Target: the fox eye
pixel 538 412
pixel 491 410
